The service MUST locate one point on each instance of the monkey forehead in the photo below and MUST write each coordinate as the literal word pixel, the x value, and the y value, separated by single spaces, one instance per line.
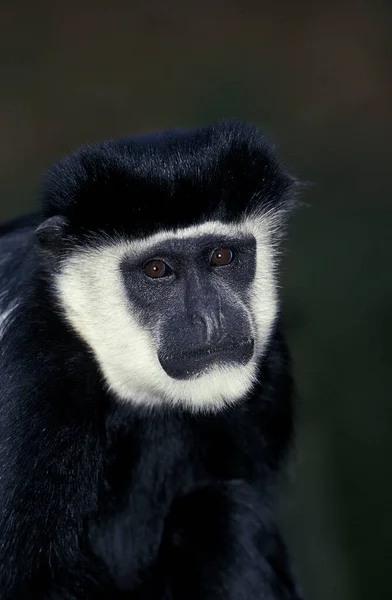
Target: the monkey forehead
pixel 249 230
pixel 183 242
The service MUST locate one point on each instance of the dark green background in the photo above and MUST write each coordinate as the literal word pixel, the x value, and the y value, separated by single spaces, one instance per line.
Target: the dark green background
pixel 318 78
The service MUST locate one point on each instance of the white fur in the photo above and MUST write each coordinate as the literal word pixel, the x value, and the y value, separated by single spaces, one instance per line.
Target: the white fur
pixel 95 302
pixel 5 319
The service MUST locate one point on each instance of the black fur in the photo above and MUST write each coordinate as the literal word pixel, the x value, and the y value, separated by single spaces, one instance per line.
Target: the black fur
pixel 168 180
pixel 103 500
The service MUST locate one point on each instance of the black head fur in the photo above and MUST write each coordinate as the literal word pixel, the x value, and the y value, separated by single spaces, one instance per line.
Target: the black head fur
pixel 168 180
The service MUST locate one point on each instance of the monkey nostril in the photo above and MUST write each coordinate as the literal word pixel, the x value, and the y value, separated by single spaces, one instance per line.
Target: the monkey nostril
pixel 198 319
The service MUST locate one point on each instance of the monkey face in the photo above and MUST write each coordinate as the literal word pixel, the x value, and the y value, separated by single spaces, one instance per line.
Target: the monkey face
pixel 177 317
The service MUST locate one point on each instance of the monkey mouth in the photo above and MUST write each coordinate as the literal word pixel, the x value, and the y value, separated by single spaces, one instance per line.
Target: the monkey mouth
pixel 191 363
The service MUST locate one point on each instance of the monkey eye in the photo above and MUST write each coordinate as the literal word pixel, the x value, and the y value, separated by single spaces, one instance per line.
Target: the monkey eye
pixel 221 257
pixel 157 269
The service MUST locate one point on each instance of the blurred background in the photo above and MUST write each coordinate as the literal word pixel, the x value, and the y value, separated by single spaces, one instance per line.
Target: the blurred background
pixel 317 77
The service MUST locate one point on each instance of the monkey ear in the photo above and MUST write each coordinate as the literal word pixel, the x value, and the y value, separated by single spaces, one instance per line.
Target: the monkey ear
pixel 51 232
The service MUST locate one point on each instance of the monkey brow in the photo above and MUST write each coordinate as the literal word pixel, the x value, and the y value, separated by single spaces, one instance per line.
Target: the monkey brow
pixel 194 243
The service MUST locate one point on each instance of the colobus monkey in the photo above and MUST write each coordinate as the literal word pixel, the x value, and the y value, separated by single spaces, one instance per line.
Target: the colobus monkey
pixel 145 389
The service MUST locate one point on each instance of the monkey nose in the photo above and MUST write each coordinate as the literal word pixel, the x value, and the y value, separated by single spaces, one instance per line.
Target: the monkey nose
pixel 208 326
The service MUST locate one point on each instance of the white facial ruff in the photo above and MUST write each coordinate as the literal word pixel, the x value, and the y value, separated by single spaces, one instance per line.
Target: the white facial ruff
pixel 95 303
